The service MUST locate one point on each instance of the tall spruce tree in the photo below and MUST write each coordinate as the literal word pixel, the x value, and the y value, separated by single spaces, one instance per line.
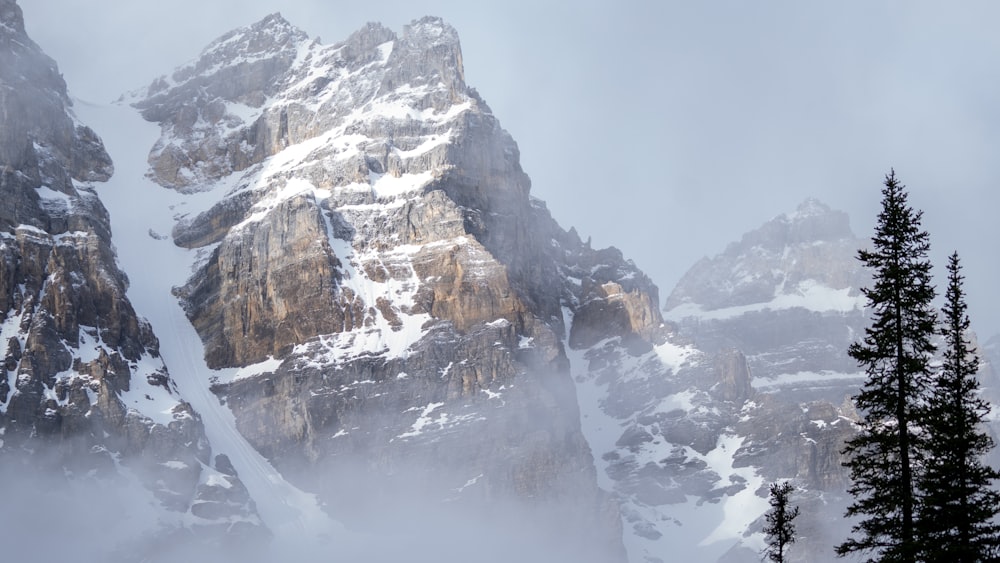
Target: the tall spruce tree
pixel 895 353
pixel 957 501
pixel 779 527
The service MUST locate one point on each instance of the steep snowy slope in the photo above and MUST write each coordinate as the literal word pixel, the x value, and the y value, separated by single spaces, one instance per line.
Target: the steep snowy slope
pixel 139 209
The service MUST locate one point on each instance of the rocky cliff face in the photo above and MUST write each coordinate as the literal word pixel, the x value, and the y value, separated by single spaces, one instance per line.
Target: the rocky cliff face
pixel 365 250
pixel 793 306
pixel 83 392
pixel 787 295
pixel 745 382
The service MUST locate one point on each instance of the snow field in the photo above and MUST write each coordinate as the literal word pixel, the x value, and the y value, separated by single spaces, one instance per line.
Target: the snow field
pixel 137 208
pixel 809 295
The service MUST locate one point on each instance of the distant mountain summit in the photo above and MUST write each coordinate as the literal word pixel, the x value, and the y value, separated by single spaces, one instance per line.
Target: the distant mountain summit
pixel 747 381
pixel 787 295
pixel 799 259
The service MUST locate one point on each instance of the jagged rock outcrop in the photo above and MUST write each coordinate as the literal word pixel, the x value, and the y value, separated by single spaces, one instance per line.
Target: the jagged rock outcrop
pixel 38 139
pixel 607 310
pixel 60 290
pixel 374 265
pixel 802 444
pixel 83 392
pixel 734 377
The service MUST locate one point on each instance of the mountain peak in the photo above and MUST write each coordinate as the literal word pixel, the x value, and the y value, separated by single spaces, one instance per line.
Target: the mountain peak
pixel 431 27
pixel 361 196
pixel 272 20
pixel 273 33
pixel 814 221
pixel 814 243
pixel 240 66
pixel 429 52
pixel 39 136
pixel 19 55
pixel 11 16
pixel 809 208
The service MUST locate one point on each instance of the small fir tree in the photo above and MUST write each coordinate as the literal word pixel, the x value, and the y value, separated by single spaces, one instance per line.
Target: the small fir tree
pixel 895 354
pixel 779 529
pixel 958 504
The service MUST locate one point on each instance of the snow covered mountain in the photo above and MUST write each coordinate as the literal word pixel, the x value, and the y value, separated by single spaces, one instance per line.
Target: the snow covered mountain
pixel 313 309
pixel 787 295
pixel 353 303
pixel 745 382
pixel 378 296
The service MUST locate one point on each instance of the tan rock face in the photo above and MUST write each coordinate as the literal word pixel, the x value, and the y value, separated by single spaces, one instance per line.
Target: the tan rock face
pixel 278 267
pixel 67 301
pixel 271 284
pixel 609 310
pixel 734 377
pixel 59 282
pixel 72 346
pixel 466 286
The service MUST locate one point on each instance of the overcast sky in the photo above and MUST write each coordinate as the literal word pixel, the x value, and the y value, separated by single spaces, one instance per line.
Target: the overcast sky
pixel 667 129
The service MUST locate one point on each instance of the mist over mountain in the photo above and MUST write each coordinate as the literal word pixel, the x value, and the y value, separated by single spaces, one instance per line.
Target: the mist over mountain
pixel 296 299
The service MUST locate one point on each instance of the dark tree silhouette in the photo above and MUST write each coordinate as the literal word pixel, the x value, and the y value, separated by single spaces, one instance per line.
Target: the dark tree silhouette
pixel 779 529
pixel 957 502
pixel 895 353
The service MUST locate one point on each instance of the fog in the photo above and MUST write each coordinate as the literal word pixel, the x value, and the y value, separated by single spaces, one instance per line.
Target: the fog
pixel 50 515
pixel 668 129
pixel 509 484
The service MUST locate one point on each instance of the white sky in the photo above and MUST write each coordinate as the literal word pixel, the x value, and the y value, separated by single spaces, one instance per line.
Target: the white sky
pixel 667 129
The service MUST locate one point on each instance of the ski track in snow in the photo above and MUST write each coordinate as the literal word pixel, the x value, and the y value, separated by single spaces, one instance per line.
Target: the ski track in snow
pixel 139 209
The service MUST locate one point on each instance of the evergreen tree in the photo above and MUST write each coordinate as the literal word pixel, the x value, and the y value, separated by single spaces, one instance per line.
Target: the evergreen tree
pixel 895 354
pixel 957 502
pixel 779 529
